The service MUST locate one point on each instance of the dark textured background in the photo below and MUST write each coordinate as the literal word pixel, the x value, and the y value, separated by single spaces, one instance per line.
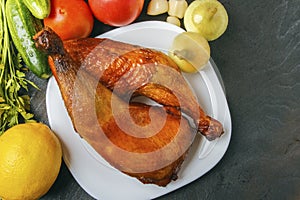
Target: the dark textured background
pixel 259 60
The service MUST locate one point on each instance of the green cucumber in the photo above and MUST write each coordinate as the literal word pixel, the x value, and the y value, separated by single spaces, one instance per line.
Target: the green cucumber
pixel 22 27
pixel 39 8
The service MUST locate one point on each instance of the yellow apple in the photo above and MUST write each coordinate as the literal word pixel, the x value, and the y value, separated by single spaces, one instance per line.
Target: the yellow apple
pixel 190 51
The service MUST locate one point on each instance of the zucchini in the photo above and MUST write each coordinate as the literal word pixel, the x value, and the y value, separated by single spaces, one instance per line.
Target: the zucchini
pixel 39 8
pixel 22 27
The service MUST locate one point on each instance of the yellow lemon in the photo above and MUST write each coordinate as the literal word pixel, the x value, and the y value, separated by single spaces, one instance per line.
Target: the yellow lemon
pixel 30 160
pixel 207 17
pixel 190 51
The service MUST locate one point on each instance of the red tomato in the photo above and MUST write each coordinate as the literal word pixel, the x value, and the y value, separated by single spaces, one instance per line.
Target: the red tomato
pixel 70 19
pixel 116 12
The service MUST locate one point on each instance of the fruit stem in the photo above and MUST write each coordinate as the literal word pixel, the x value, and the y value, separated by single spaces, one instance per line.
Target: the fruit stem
pixel 212 12
pixel 183 54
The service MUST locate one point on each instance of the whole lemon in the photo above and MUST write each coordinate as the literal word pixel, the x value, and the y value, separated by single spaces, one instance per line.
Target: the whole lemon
pixel 30 160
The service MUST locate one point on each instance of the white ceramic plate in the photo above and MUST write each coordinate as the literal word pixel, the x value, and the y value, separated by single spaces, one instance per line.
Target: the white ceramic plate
pixel 96 176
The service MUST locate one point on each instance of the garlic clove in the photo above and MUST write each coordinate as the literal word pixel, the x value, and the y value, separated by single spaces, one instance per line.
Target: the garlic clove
pixel 177 8
pixel 157 7
pixel 173 20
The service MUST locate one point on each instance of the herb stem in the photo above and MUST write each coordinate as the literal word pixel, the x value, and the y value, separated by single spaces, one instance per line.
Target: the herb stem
pixel 14 107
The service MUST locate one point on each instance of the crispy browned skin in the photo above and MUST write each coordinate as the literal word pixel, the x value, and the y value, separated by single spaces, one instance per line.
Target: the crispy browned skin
pixel 128 69
pixel 94 110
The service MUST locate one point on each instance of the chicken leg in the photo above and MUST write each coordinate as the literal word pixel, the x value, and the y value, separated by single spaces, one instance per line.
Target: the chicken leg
pixel 146 142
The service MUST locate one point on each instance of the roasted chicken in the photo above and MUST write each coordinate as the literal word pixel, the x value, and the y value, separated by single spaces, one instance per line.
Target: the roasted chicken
pixel 143 141
pixel 131 70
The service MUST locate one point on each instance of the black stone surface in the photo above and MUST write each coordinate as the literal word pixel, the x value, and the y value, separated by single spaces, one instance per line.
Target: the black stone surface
pixel 259 60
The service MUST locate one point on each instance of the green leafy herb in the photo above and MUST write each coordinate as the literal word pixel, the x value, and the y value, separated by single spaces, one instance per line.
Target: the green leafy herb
pixel 14 107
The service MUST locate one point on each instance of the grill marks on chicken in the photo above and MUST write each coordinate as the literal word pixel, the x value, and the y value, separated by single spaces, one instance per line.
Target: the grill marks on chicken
pixel 123 134
pixel 131 70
